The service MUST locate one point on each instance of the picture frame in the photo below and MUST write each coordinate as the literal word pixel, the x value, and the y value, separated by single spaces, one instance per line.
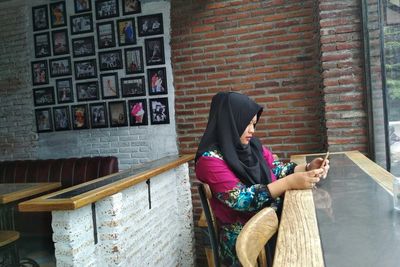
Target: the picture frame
pixel 65 91
pixel 159 111
pixel 154 51
pixel 157 81
pixel 138 114
pixel 133 86
pixel 87 91
pixel 60 67
pixel 62 120
pixel 109 85
pixel 110 60
pixel 81 6
pixel 106 9
pixel 42 44
pixel 134 60
pixel 83 47
pixel 131 7
pixel 40 17
pixel 126 32
pixel 150 25
pixel 60 42
pixel 82 23
pixel 85 69
pixel 58 14
pixel 40 72
pixel 43 120
pixel 98 115
pixel 43 96
pixel 117 113
pixel 80 117
pixel 105 35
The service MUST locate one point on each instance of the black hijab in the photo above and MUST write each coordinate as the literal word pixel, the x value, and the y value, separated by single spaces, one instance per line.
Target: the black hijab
pixel 230 114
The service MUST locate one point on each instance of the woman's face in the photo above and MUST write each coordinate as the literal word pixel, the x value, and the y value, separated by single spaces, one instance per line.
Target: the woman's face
pixel 249 131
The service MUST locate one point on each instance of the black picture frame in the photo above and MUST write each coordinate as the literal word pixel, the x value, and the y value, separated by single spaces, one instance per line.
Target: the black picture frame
pixel 138 114
pixel 134 60
pixel 117 113
pixel 106 9
pixel 83 47
pixel 154 51
pixel 82 23
pixel 40 18
pixel 110 60
pixel 58 14
pixel 65 91
pixel 131 7
pixel 42 44
pixel 87 91
pixel 40 72
pixel 82 6
pixel 43 120
pixel 133 86
pixel 60 67
pixel 159 110
pixel 62 119
pixel 60 42
pixel 109 85
pixel 43 96
pixel 85 69
pixel 98 115
pixel 80 117
pixel 150 25
pixel 157 81
pixel 126 32
pixel 105 35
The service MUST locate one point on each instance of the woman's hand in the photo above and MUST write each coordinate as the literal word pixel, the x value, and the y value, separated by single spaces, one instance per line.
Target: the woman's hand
pixel 316 164
pixel 304 180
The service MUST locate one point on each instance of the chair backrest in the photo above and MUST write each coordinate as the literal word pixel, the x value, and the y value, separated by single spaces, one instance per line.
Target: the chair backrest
pixel 205 195
pixel 255 235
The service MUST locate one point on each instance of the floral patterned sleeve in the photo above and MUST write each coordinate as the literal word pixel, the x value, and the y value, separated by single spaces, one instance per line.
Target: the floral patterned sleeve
pixel 281 169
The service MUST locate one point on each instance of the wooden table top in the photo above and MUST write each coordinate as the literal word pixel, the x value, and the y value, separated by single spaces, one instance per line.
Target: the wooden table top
pixel 12 192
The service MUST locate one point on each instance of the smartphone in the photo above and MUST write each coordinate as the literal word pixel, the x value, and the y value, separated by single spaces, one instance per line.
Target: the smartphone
pixel 325 158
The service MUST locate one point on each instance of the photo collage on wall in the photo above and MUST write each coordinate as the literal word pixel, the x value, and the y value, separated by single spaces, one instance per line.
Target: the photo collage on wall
pixel 102 66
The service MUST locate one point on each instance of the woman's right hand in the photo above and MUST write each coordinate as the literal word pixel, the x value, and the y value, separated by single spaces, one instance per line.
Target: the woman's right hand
pixel 304 180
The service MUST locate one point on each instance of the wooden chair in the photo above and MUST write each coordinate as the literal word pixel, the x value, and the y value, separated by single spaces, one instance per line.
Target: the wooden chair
pixel 254 236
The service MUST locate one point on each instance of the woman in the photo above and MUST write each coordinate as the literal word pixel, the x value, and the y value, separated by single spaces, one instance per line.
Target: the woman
pixel 241 173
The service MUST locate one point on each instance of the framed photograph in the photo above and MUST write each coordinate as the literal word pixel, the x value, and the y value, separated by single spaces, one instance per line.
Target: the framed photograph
pixel 58 14
pixel 80 117
pixel 105 35
pixel 137 109
pixel 81 23
pixel 42 44
pixel 109 85
pixel 133 86
pixel 40 17
pixel 87 91
pixel 106 9
pixel 117 112
pixel 60 67
pixel 154 51
pixel 82 6
pixel 43 120
pixel 131 7
pixel 126 31
pixel 40 73
pixel 65 92
pixel 82 47
pixel 134 60
pixel 60 42
pixel 110 60
pixel 62 119
pixel 150 25
pixel 157 81
pixel 85 69
pixel 98 115
pixel 43 96
pixel 159 113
